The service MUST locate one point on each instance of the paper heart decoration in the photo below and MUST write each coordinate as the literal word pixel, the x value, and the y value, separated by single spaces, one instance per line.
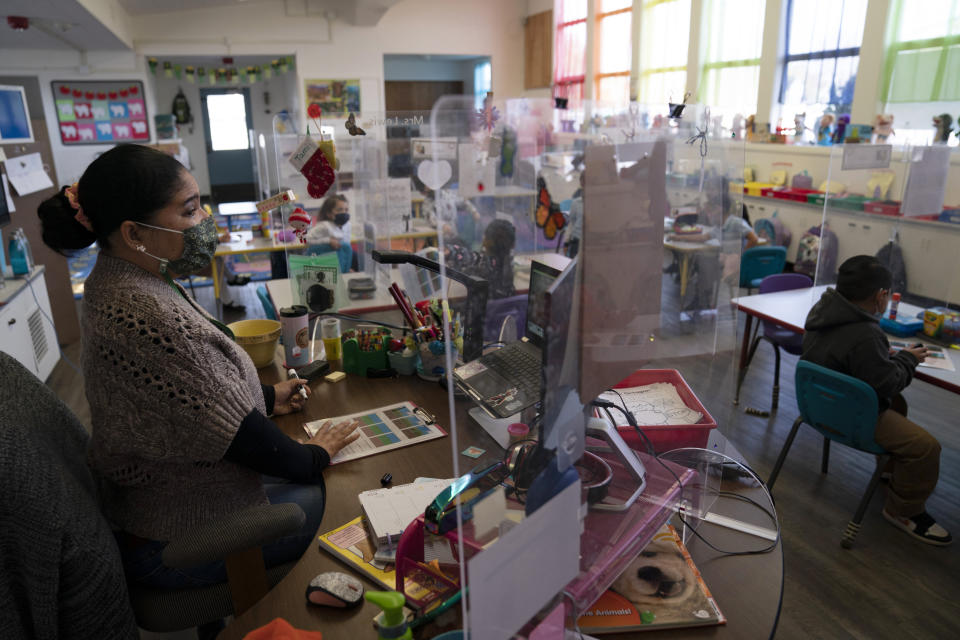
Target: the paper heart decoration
pixel 77 93
pixel 88 95
pixel 134 90
pixel 113 95
pixel 65 90
pixel 101 96
pixel 434 174
pixel 124 92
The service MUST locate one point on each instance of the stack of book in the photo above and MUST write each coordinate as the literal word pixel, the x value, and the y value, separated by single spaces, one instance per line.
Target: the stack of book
pixel 387 512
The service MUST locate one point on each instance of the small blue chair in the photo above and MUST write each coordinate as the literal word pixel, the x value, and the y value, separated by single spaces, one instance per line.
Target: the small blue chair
pixel 758 263
pixel 268 309
pixel 843 409
pixel 781 338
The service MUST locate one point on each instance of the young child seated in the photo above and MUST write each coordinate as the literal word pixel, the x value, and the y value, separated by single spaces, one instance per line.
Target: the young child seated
pixel 842 333
pixel 331 233
pixel 493 263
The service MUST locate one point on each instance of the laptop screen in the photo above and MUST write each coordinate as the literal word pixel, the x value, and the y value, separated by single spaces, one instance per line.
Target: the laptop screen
pixel 541 277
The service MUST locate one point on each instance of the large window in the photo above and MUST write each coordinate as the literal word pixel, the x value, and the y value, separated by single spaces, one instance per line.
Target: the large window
pixel 922 70
pixel 570 51
pixel 227 115
pixel 732 34
pixel 664 42
pixel 613 49
pixel 823 51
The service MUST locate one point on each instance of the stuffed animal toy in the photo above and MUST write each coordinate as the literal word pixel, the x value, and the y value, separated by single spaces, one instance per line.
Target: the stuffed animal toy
pixel 883 126
pixel 944 126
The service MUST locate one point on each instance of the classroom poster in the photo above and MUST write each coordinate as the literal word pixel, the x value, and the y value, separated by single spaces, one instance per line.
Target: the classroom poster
pixel 100 112
pixel 336 98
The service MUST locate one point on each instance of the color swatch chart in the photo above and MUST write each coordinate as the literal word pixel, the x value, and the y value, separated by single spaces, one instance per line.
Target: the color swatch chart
pixel 382 429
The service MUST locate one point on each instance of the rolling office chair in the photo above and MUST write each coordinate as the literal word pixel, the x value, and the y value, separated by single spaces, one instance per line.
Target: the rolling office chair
pixel 268 309
pixel 776 335
pixel 760 262
pixel 68 580
pixel 843 409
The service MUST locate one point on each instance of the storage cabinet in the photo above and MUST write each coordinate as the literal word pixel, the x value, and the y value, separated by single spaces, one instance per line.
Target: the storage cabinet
pixel 26 326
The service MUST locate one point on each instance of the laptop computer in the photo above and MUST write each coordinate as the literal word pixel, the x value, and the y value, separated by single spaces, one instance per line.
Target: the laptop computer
pixel 508 380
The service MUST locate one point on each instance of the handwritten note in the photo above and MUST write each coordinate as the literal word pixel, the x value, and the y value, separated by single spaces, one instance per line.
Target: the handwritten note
pixel 26 174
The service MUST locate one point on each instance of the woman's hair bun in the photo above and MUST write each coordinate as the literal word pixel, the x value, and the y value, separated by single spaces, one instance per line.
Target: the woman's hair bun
pixel 60 229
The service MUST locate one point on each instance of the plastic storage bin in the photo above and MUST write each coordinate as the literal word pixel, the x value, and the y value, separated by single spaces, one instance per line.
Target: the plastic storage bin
pixel 793 193
pixel 853 203
pixel 666 437
pixel 365 351
pixel 950 215
pixel 882 207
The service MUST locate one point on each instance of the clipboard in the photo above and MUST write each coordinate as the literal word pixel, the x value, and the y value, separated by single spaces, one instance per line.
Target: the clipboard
pixel 384 429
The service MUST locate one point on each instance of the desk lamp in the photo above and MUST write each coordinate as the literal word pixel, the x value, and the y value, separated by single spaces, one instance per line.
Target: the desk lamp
pixel 477 292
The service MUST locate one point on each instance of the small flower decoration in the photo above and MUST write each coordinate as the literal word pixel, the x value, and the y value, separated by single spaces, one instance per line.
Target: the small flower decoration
pixel 71 194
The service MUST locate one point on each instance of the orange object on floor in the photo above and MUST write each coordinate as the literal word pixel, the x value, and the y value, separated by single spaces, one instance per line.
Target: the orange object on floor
pixel 280 629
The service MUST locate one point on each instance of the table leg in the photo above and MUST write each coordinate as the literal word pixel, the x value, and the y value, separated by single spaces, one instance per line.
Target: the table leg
pixel 216 287
pixel 744 347
pixel 684 273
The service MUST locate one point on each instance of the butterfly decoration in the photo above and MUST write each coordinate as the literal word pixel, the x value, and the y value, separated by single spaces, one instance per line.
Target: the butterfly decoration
pixel 351 125
pixel 548 216
pixel 487 117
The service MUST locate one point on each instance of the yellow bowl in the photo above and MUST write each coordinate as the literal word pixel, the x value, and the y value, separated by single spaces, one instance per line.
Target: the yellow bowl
pixel 258 338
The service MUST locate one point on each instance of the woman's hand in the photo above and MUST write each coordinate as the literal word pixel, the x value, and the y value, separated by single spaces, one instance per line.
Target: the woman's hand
pixel 919 351
pixel 333 437
pixel 288 398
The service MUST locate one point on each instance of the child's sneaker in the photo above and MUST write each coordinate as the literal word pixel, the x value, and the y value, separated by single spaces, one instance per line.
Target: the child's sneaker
pixel 922 527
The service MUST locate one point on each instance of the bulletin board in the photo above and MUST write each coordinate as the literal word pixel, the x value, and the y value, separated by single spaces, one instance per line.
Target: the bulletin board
pixel 100 112
pixel 335 97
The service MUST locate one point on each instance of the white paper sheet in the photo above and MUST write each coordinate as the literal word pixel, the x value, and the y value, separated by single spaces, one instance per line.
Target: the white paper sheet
pixel 514 578
pixel 866 156
pixel 391 510
pixel 927 182
pixel 26 174
pixel 654 404
pixel 476 177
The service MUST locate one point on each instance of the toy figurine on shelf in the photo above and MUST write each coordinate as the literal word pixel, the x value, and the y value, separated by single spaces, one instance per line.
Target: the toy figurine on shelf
pixel 799 125
pixel 840 133
pixel 825 129
pixel 944 125
pixel 750 127
pixel 883 127
pixel 737 126
pixel 300 220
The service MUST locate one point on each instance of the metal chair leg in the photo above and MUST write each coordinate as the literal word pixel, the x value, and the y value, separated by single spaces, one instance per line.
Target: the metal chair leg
pixel 853 527
pixel 783 454
pixel 825 460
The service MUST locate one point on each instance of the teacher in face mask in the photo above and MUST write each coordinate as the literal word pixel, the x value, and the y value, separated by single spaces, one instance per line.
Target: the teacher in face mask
pixel 181 433
pixel 331 233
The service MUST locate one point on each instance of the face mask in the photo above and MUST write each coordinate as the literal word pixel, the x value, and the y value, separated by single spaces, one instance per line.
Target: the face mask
pixel 341 219
pixel 199 245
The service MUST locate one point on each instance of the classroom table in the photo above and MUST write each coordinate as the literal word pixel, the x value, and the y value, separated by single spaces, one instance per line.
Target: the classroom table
pixel 686 250
pixel 789 309
pixel 748 589
pixel 243 242
pixel 282 296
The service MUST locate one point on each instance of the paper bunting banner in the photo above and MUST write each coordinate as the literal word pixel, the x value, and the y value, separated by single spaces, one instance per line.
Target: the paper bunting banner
pixel 248 74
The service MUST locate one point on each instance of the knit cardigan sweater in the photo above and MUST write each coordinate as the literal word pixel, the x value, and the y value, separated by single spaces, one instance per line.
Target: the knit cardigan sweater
pixel 167 393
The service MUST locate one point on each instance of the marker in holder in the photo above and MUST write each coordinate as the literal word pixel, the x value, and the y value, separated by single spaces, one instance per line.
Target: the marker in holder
pixel 365 348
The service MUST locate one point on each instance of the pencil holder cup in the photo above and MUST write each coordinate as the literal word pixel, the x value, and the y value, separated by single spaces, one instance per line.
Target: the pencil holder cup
pixel 404 365
pixel 433 358
pixel 365 352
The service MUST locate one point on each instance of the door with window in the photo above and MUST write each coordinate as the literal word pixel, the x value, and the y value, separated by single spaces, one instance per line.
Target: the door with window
pixel 227 118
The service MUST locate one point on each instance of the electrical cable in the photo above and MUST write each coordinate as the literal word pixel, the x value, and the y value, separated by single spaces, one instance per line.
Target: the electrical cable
pixel 726 494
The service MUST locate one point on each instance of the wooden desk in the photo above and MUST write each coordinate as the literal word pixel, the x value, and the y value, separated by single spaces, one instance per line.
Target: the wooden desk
pixel 747 588
pixel 242 242
pixel 789 309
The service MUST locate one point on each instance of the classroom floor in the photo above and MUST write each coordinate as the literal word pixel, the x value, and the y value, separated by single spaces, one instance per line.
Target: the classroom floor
pixel 887 586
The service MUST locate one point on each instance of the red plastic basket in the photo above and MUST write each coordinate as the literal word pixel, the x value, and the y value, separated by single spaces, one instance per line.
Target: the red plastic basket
pixel 666 438
pixel 793 193
pixel 882 207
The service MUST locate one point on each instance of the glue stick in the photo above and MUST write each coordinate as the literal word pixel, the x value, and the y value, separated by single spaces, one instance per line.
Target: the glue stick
pixel 894 303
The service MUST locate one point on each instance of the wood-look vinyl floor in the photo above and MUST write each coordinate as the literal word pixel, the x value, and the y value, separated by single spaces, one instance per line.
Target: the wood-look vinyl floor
pixel 887 586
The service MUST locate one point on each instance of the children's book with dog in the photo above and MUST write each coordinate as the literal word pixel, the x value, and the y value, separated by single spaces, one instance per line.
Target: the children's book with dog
pixel 659 589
